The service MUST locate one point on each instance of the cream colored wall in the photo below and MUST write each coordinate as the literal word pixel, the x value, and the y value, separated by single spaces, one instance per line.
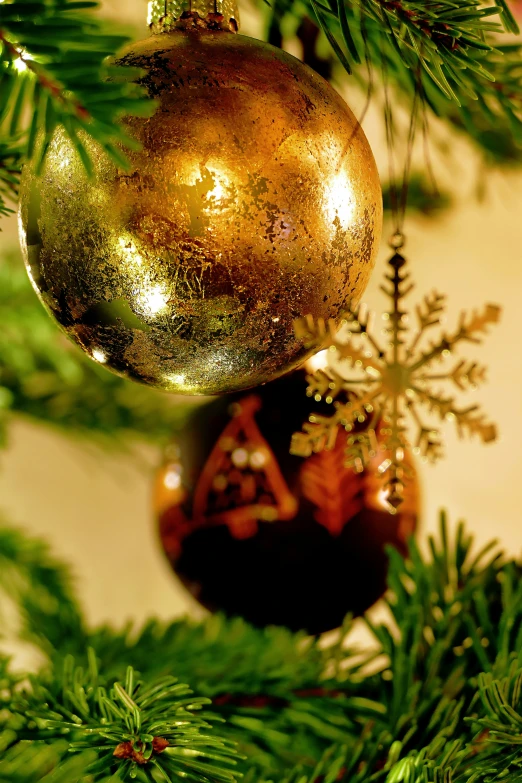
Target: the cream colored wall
pixel 95 507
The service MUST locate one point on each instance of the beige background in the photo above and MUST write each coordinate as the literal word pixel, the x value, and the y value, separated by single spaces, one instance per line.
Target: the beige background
pixel 95 507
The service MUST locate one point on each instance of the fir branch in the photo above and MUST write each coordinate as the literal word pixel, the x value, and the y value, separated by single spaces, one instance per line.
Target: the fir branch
pixel 38 763
pixel 11 155
pixel 221 656
pixel 40 587
pixel 449 50
pixel 132 729
pixel 423 197
pixel 441 701
pixel 53 72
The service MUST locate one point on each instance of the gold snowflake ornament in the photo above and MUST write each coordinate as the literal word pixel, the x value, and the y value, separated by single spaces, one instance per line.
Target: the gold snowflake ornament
pixel 370 385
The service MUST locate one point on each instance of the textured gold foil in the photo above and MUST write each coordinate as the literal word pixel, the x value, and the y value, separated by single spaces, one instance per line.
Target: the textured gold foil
pixel 164 15
pixel 255 200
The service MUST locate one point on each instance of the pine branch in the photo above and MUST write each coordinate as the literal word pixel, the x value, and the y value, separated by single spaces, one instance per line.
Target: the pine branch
pixel 449 49
pixel 423 196
pixel 441 701
pixel 53 72
pixel 41 589
pixel 32 763
pixel 11 155
pixel 133 728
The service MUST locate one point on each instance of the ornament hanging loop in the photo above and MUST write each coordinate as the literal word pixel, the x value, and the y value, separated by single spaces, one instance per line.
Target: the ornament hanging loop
pixel 399 190
pixel 397 240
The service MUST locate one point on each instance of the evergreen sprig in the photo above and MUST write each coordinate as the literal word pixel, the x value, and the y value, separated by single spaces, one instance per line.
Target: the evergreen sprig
pixel 11 157
pixel 54 72
pixel 26 762
pixel 450 51
pixel 137 730
pixel 40 587
pixel 439 699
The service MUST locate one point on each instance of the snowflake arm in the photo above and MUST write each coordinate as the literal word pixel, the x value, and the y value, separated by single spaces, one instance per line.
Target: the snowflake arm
pixel 470 329
pixel 359 359
pixel 427 442
pixel 428 314
pixel 470 420
pixel 317 435
pixel 324 383
pixel 397 291
pixel 362 322
pixel 315 333
pixel 377 391
pixel 361 447
pixel 465 375
pixel 320 432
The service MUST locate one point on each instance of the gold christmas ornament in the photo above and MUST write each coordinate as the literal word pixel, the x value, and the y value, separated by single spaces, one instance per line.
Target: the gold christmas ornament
pixel 368 383
pixel 254 200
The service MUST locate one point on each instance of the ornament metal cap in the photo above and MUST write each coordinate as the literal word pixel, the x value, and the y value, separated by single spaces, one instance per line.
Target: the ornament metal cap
pixel 166 15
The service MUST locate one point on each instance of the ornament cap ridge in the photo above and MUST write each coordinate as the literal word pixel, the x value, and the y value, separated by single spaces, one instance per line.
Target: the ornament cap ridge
pixel 167 15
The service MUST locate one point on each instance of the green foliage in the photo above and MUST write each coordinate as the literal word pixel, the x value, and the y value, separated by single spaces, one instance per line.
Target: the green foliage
pixel 450 51
pixel 216 656
pixel 448 40
pixel 11 155
pixel 257 680
pixel 40 587
pixel 54 70
pixel 136 730
pixel 438 700
pixel 45 377
pixel 54 61
pixel 423 197
pixel 28 763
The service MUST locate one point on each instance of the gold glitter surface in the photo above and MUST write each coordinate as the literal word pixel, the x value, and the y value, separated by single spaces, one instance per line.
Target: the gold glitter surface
pixel 254 201
pixel 164 15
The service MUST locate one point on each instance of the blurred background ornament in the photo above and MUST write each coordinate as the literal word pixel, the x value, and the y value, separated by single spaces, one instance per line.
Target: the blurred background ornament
pixel 373 386
pixel 253 199
pixel 254 531
pixel 516 7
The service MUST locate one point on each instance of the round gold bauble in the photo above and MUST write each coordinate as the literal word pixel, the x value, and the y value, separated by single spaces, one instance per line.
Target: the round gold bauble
pixel 254 200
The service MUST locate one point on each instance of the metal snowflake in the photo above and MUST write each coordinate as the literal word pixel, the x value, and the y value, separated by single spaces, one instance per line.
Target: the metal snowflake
pixel 370 385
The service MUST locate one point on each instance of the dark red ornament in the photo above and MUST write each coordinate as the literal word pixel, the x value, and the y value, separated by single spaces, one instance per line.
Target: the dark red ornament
pixel 254 531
